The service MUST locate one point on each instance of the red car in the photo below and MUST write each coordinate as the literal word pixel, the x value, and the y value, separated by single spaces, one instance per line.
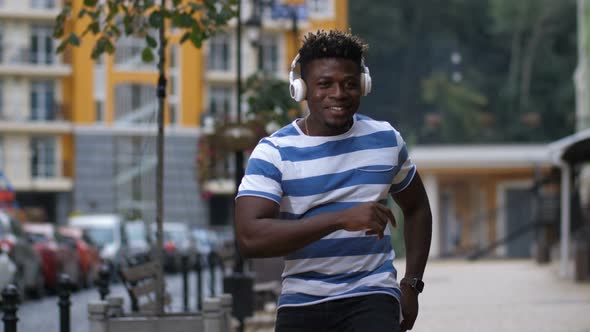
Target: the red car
pixel 57 254
pixel 89 256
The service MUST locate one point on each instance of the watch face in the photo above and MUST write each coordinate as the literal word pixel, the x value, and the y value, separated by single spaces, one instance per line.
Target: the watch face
pixel 418 285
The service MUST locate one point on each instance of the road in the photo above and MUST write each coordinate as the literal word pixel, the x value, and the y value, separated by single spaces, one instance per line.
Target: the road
pixel 43 315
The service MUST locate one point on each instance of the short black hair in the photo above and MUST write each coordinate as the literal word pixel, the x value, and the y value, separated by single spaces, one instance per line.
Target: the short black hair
pixel 331 44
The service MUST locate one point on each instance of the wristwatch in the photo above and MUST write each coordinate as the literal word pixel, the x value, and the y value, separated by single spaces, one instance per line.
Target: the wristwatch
pixel 416 283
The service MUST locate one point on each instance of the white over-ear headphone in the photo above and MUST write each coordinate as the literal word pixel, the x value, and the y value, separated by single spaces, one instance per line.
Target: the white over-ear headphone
pixel 298 88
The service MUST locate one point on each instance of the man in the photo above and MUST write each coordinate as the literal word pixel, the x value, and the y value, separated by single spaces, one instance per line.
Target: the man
pixel 314 192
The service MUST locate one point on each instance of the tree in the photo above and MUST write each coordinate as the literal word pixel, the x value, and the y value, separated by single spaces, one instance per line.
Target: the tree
pixel 110 19
pixel 519 55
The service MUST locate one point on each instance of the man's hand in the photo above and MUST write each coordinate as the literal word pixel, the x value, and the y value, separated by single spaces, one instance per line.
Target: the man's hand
pixel 409 303
pixel 371 216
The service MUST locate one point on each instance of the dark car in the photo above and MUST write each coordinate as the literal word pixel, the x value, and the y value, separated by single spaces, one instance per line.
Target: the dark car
pixel 178 241
pixel 59 254
pixel 88 252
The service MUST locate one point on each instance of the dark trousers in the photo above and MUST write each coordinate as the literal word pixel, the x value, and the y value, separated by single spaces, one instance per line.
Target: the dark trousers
pixel 371 313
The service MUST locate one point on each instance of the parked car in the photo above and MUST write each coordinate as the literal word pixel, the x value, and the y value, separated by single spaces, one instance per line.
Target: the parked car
pixel 178 241
pixel 29 268
pixel 88 252
pixel 116 239
pixel 59 254
pixel 7 269
pixel 138 239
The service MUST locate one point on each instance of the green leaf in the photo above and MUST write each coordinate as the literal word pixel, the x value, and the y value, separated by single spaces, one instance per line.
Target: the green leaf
pixel 185 37
pixel 109 47
pixel 147 55
pixel 94 27
pixel 62 46
pixel 155 19
pixel 151 41
pixel 73 39
pixel 90 3
pixel 176 3
pixel 82 13
pixel 128 25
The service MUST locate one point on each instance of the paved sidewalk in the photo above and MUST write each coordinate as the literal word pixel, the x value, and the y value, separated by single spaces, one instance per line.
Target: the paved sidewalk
pixel 501 296
pixel 495 295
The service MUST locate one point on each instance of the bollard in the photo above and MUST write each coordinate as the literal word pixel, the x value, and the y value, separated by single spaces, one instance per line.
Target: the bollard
pixel 226 307
pixel 104 275
pixel 199 288
pixel 212 316
pixel 64 292
pixel 114 306
pixel 184 266
pixel 10 306
pixel 97 316
pixel 211 261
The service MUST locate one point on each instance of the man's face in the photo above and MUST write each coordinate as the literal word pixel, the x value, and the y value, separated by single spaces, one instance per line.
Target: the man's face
pixel 333 93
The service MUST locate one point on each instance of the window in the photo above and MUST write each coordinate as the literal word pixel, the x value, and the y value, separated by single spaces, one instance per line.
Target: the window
pixel 43 160
pixel 268 55
pixel 1 153
pixel 320 8
pixel 173 113
pixel 1 43
pixel 174 56
pixel 219 53
pixel 99 110
pixel 43 106
pixel 42 48
pixel 135 103
pixel 1 99
pixel 43 4
pixel 220 104
pixel 128 53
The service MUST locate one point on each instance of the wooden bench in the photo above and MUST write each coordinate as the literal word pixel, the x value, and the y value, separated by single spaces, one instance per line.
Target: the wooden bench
pixel 141 283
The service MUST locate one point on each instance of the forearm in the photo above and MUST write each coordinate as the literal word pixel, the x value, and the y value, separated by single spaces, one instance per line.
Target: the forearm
pixel 417 235
pixel 276 237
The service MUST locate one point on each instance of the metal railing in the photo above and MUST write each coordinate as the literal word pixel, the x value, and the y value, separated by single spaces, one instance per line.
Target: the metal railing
pixel 24 113
pixel 24 55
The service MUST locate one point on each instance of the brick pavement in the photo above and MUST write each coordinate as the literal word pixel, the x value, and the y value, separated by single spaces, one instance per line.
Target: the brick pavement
pixel 493 295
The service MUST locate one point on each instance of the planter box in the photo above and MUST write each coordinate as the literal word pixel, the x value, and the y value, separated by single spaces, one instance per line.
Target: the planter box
pixel 108 316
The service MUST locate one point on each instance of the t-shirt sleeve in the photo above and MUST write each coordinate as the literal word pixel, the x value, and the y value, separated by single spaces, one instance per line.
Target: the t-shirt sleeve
pixel 263 174
pixel 407 168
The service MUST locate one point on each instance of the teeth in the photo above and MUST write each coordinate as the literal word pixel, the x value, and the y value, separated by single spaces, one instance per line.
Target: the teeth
pixel 336 108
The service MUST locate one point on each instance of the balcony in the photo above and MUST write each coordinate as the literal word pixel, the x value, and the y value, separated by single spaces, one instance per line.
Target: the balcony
pixel 18 60
pixel 23 119
pixel 39 10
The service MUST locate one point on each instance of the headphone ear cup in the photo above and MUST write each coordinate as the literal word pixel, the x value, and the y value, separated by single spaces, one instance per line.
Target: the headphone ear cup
pixel 298 90
pixel 365 84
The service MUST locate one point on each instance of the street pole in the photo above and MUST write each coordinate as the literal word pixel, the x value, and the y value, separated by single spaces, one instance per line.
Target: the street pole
pixel 161 93
pixel 239 284
pixel 239 155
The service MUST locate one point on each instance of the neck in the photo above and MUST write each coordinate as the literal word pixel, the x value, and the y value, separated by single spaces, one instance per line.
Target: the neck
pixel 336 131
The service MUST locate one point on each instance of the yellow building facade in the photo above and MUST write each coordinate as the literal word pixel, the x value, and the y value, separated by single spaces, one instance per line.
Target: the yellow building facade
pixel 114 107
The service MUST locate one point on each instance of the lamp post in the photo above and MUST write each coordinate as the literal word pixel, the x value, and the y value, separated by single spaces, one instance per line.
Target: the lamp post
pixel 239 284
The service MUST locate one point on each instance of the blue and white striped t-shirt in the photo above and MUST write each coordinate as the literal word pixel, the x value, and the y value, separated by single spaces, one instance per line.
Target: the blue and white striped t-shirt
pixel 310 175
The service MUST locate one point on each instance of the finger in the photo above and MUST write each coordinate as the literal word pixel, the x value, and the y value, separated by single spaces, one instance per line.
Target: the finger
pixel 391 218
pixel 386 215
pixel 379 234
